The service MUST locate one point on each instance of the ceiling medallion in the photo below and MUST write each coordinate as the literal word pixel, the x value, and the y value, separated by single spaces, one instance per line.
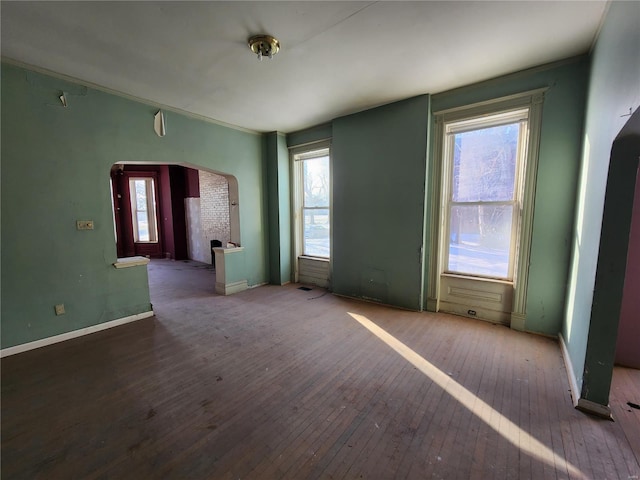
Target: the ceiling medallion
pixel 264 46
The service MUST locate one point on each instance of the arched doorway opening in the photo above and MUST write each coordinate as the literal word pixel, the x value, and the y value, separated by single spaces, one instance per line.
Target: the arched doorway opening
pixel 173 211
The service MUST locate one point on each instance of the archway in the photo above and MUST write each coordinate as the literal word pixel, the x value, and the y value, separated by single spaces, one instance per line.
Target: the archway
pixel 159 211
pixel 611 268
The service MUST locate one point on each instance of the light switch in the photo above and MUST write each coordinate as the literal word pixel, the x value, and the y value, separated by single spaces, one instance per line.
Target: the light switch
pixel 59 309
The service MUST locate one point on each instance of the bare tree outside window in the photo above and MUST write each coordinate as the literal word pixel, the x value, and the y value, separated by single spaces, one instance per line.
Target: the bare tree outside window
pixel 482 200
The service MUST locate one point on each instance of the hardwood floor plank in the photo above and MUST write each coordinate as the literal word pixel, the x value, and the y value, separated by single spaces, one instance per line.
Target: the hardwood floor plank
pixel 625 387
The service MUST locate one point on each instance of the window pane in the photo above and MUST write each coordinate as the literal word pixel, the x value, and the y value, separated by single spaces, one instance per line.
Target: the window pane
pixel 143 208
pixel 316 182
pixel 484 164
pixel 480 240
pixel 143 226
pixel 141 195
pixel 316 232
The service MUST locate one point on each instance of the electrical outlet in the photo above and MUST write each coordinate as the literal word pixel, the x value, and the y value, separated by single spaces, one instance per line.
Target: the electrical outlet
pixel 59 309
pixel 84 224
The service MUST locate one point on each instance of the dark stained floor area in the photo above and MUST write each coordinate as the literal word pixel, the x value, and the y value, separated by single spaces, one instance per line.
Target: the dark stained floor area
pixel 277 382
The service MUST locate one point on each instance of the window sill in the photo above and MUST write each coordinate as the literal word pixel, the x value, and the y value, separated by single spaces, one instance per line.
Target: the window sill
pixel 319 259
pixel 479 278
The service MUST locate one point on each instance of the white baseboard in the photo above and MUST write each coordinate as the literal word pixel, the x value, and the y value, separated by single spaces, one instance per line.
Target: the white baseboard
pixel 573 382
pixel 231 288
pixel 5 352
pixel 581 404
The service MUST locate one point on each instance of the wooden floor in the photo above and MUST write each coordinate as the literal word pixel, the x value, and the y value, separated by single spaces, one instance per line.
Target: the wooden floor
pixel 625 390
pixel 277 382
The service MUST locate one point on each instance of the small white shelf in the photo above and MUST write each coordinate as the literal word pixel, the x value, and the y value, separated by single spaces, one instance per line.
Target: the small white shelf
pixel 131 262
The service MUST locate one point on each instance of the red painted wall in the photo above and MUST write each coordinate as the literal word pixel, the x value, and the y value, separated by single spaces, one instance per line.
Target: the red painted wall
pixel 166 222
pixel 171 191
pixel 192 183
pixel 177 180
pixel 628 344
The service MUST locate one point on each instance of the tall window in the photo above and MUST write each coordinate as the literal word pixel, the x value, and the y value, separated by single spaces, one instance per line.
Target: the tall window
pixel 314 192
pixel 143 209
pixel 486 160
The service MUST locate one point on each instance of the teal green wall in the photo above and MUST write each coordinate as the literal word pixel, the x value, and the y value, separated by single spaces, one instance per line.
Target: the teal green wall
pixel 279 208
pixel 55 170
pixel 379 171
pixel 284 203
pixel 614 88
pixel 235 267
pixel 309 135
pixel 559 160
pixel 379 176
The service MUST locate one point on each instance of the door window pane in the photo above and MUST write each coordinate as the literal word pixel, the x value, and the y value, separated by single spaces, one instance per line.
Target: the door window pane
pixel 141 195
pixel 143 227
pixel 484 164
pixel 480 240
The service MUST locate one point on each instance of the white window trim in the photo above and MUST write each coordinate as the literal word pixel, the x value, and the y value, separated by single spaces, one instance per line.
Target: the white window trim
pixel 150 187
pixel 532 100
pixel 520 115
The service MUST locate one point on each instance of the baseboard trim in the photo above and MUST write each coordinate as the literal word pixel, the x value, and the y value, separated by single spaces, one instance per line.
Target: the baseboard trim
pixel 432 304
pixel 5 352
pixel 231 288
pixel 518 321
pixel 594 408
pixel 372 301
pixel 573 382
pixel 581 404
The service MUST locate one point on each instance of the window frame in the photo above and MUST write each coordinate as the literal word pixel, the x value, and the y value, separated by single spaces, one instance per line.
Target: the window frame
pixel 534 100
pixel 496 119
pixel 300 208
pixel 152 220
pixel 302 264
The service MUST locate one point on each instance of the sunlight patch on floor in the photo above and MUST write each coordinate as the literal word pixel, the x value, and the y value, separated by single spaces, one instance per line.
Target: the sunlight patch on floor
pixel 485 412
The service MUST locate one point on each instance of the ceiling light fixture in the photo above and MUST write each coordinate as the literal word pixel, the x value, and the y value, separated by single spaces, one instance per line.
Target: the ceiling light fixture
pixel 264 46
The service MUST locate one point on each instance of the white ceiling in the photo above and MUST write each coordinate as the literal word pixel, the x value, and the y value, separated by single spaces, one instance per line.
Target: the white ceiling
pixel 336 58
